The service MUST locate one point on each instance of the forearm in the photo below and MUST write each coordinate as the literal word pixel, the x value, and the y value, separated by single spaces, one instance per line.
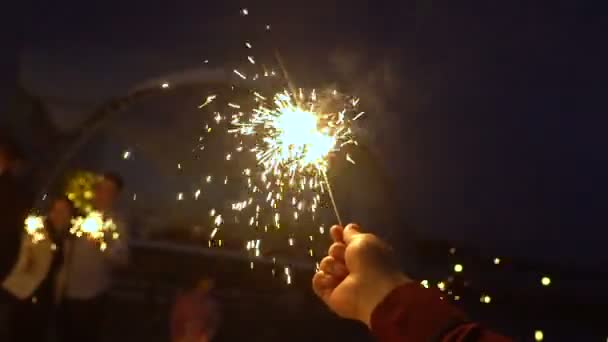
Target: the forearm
pixel 411 313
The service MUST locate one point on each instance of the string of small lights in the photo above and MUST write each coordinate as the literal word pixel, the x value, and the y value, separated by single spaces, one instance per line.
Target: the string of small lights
pixel 496 288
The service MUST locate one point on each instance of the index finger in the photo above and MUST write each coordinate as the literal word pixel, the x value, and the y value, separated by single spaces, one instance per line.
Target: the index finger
pixel 337 233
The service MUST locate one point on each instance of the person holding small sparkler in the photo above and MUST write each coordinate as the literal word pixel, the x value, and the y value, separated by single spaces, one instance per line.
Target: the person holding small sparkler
pixel 33 285
pixel 91 261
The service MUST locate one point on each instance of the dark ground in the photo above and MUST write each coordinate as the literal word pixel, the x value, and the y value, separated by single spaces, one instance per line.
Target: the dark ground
pixel 259 307
pixel 255 305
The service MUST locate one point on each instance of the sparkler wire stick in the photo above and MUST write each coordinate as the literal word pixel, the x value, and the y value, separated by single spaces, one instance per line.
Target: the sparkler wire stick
pixel 331 197
pixel 292 88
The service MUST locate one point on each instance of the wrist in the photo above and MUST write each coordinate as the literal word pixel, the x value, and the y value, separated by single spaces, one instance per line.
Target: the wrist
pixel 380 289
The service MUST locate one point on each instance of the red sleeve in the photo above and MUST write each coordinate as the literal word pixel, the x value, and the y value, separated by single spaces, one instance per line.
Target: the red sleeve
pixel 412 313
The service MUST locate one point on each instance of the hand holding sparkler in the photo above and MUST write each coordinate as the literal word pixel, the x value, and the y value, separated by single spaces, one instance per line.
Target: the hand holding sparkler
pixel 360 279
pixel 358 273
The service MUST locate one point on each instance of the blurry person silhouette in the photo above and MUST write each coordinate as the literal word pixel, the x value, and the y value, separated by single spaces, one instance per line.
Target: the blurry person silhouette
pixel 15 202
pixel 195 315
pixel 89 270
pixel 33 285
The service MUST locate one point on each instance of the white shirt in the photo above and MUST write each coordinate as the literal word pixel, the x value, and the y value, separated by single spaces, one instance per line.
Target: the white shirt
pixel 88 269
pixel 32 267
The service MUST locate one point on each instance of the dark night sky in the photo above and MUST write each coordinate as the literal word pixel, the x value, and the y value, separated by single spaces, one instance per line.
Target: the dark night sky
pixel 492 117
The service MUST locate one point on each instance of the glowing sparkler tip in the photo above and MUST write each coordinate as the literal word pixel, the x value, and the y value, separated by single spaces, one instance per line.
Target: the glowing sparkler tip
pixel 296 137
pixel 34 227
pixel 94 226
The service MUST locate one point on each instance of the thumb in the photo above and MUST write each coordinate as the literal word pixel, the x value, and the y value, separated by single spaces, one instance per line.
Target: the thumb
pixel 350 232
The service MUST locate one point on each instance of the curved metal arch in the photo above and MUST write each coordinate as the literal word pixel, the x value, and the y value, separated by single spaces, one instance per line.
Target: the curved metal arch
pixel 105 112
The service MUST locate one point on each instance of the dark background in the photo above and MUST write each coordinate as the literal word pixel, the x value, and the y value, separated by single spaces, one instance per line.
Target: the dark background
pixel 491 114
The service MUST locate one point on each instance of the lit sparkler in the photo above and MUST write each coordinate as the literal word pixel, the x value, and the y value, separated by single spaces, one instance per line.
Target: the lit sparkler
pixel 34 227
pixel 298 133
pixel 283 143
pixel 291 135
pixel 95 227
